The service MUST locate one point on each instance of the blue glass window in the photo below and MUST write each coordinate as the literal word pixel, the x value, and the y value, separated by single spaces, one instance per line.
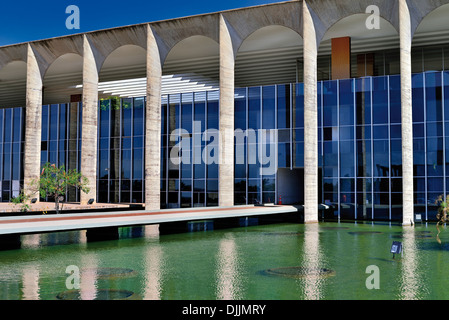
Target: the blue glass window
pixel 283 106
pixel 269 107
pixel 381 165
pixel 138 115
pixel 330 103
pixel 127 117
pixel 212 112
pixel 254 108
pixel 186 112
pixel 346 101
pixel 240 109
pixel 380 100
pixel 418 97
pixel 395 99
pixel 363 101
pixel 446 93
pixel 433 97
pixel 298 116
pixel 347 165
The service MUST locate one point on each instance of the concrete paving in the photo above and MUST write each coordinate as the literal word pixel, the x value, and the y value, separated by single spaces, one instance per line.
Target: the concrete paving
pixel 50 207
pixel 68 222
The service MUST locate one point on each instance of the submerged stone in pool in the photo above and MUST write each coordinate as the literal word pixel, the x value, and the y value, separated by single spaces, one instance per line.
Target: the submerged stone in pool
pixel 300 272
pixel 100 294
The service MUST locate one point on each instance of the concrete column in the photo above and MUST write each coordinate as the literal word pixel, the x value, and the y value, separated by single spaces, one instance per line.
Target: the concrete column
pixel 33 126
pixel 226 167
pixel 310 119
pixel 153 125
pixel 407 120
pixel 89 122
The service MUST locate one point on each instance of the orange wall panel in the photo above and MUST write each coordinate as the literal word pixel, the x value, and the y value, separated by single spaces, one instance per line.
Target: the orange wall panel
pixel 341 58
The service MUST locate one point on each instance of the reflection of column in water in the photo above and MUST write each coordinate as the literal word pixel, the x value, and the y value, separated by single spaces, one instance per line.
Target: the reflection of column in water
pixel 30 280
pixel 153 274
pixel 31 241
pixel 88 283
pixel 228 277
pixel 410 280
pixel 312 260
pixel 151 232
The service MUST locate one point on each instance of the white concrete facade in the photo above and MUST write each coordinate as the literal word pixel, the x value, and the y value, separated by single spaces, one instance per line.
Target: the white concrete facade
pixel 310 19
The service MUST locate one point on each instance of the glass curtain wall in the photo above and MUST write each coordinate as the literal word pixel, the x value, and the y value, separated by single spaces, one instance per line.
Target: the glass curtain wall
pixel 189 150
pixel 362 164
pixel 430 116
pixel 61 139
pixel 121 150
pixel 12 133
pixel 264 141
pixel 360 157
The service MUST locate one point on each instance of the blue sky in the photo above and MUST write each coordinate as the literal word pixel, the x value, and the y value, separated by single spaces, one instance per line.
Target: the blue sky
pixel 27 21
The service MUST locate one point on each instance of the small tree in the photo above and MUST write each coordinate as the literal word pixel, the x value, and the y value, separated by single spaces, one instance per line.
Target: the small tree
pixel 22 201
pixel 442 216
pixel 54 181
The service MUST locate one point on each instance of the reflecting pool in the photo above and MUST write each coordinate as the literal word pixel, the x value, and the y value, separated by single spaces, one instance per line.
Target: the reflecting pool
pixel 329 261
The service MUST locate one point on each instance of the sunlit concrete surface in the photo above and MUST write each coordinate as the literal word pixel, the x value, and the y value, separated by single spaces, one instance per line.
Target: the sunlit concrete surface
pixel 50 223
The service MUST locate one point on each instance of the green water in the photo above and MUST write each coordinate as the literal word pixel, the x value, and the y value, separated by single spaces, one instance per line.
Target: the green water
pixel 232 264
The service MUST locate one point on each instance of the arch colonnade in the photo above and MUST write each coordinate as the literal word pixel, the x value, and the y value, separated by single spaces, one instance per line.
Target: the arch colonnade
pixel 311 20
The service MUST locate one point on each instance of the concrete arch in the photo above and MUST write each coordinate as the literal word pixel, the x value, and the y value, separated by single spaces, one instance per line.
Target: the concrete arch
pixel 358 31
pixel 326 14
pixel 365 47
pixel 434 21
pixel 196 54
pixel 168 34
pixel 104 43
pixel 419 10
pixel 13 84
pixel 61 78
pixel 244 22
pixel 275 31
pixel 48 51
pixel 125 62
pixel 269 55
pixel 13 53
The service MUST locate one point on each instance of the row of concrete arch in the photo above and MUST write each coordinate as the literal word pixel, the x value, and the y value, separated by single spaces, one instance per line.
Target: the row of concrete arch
pixel 311 20
pixel 241 22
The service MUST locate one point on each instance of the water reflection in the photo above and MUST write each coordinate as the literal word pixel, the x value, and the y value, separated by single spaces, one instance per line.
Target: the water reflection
pixel 411 280
pixel 229 285
pixel 151 232
pixel 30 283
pixel 153 274
pixel 312 260
pixel 88 283
pixel 37 241
pixel 225 265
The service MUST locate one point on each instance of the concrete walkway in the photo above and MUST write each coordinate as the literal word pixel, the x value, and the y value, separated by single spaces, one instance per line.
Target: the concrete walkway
pixel 67 222
pixel 50 206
